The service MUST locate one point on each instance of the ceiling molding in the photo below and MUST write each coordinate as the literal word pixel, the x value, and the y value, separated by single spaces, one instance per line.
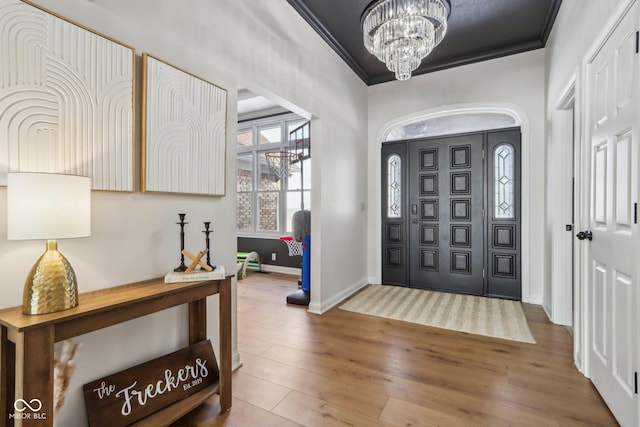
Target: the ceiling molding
pixel 322 31
pixel 548 23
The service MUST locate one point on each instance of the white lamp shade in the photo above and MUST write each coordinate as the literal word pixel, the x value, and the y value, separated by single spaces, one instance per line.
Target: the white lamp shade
pixel 48 206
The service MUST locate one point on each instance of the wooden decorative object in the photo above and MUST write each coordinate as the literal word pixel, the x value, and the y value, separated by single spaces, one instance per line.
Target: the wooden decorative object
pixel 130 395
pixel 196 260
pixel 68 98
pixel 184 122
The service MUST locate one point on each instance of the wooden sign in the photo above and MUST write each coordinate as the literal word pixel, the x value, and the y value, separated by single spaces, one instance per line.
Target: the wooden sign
pixel 130 395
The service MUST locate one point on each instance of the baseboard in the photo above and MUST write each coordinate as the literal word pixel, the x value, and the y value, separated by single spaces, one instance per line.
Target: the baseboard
pixel 315 308
pixel 323 307
pixel 533 299
pixel 546 311
pixel 236 363
pixel 281 269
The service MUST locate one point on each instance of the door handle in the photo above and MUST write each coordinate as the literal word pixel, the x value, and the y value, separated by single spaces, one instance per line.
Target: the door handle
pixel 414 209
pixel 585 235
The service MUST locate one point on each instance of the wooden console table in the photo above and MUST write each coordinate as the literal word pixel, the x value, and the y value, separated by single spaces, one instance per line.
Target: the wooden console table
pixel 27 341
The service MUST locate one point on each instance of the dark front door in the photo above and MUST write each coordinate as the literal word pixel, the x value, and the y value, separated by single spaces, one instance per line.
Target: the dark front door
pixel 445 214
pixel 503 265
pixel 451 213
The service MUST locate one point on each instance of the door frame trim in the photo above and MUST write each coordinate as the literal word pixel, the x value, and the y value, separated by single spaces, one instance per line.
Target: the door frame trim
pixel 563 144
pixel 522 121
pixel 568 118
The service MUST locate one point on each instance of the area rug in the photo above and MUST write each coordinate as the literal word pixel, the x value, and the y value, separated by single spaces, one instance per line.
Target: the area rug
pixel 465 313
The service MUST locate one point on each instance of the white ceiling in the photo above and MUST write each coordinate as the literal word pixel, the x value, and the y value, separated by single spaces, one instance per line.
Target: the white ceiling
pixel 251 105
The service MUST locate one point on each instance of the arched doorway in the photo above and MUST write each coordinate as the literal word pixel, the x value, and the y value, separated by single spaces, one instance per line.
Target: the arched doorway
pixel 459 219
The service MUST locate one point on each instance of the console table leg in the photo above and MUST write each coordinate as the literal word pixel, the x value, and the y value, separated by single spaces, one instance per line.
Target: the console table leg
pixel 4 376
pixel 34 359
pixel 197 321
pixel 225 345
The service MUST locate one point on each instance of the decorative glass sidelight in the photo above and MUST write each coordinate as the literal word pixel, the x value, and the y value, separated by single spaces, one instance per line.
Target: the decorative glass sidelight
pixel 394 186
pixel 504 182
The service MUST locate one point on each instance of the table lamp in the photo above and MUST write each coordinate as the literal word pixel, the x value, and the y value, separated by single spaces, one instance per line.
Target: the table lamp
pixel 48 206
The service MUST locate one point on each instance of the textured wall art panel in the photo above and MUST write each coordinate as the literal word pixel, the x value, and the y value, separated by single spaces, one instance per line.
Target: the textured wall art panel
pixel 66 99
pixel 184 131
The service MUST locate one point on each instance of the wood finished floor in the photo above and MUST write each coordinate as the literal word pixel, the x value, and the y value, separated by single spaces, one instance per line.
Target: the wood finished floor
pixel 348 369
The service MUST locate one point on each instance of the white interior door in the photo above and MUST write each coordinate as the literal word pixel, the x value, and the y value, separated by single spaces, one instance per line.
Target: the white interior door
pixel 612 97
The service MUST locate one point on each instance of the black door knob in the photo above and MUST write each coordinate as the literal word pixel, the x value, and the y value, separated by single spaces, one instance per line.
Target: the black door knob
pixel 585 235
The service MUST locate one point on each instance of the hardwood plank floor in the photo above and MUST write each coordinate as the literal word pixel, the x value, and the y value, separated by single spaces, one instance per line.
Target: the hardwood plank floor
pixel 348 369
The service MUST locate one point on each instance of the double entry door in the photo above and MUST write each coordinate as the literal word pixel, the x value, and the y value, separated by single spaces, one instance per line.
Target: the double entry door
pixel 451 213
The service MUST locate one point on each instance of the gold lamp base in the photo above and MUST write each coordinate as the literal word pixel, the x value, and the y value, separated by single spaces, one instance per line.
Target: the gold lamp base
pixel 51 284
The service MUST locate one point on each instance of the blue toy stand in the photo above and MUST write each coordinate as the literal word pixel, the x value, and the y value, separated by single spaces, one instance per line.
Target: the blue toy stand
pixel 303 296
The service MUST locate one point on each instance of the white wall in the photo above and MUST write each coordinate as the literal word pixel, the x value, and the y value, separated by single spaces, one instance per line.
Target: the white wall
pixel 260 45
pixel 573 33
pixel 516 80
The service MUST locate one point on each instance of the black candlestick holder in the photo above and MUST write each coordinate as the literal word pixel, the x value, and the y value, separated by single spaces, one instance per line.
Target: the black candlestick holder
pixel 182 266
pixel 206 240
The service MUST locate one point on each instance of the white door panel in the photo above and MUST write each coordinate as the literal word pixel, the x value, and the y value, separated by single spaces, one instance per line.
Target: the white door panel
pixel 600 186
pixel 601 89
pixel 600 310
pixel 624 182
pixel 624 64
pixel 612 97
pixel 623 364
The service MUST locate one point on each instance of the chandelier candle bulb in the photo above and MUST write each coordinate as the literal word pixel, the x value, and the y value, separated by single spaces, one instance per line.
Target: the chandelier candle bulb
pixel 401 33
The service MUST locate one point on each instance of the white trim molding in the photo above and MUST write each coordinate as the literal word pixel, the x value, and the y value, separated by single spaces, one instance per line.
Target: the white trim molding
pixel 323 307
pixel 281 269
pixel 560 158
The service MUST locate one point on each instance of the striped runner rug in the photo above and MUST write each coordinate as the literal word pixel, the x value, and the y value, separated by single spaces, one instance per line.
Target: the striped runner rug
pixel 465 313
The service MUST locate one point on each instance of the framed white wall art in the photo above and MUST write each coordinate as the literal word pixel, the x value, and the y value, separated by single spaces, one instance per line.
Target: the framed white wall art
pixel 183 131
pixel 66 99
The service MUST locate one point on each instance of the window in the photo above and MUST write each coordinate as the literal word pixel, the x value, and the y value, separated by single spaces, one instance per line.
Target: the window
pixel 245 138
pixel 269 186
pixel 266 201
pixel 451 124
pixel 394 186
pixel 297 192
pixel 245 191
pixel 504 182
pixel 270 134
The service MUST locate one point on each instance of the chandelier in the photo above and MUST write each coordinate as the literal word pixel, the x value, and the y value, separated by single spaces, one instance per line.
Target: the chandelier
pixel 401 33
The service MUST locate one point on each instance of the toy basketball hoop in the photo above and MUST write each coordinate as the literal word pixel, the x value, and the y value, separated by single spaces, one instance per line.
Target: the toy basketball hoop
pixel 295 247
pixel 279 163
